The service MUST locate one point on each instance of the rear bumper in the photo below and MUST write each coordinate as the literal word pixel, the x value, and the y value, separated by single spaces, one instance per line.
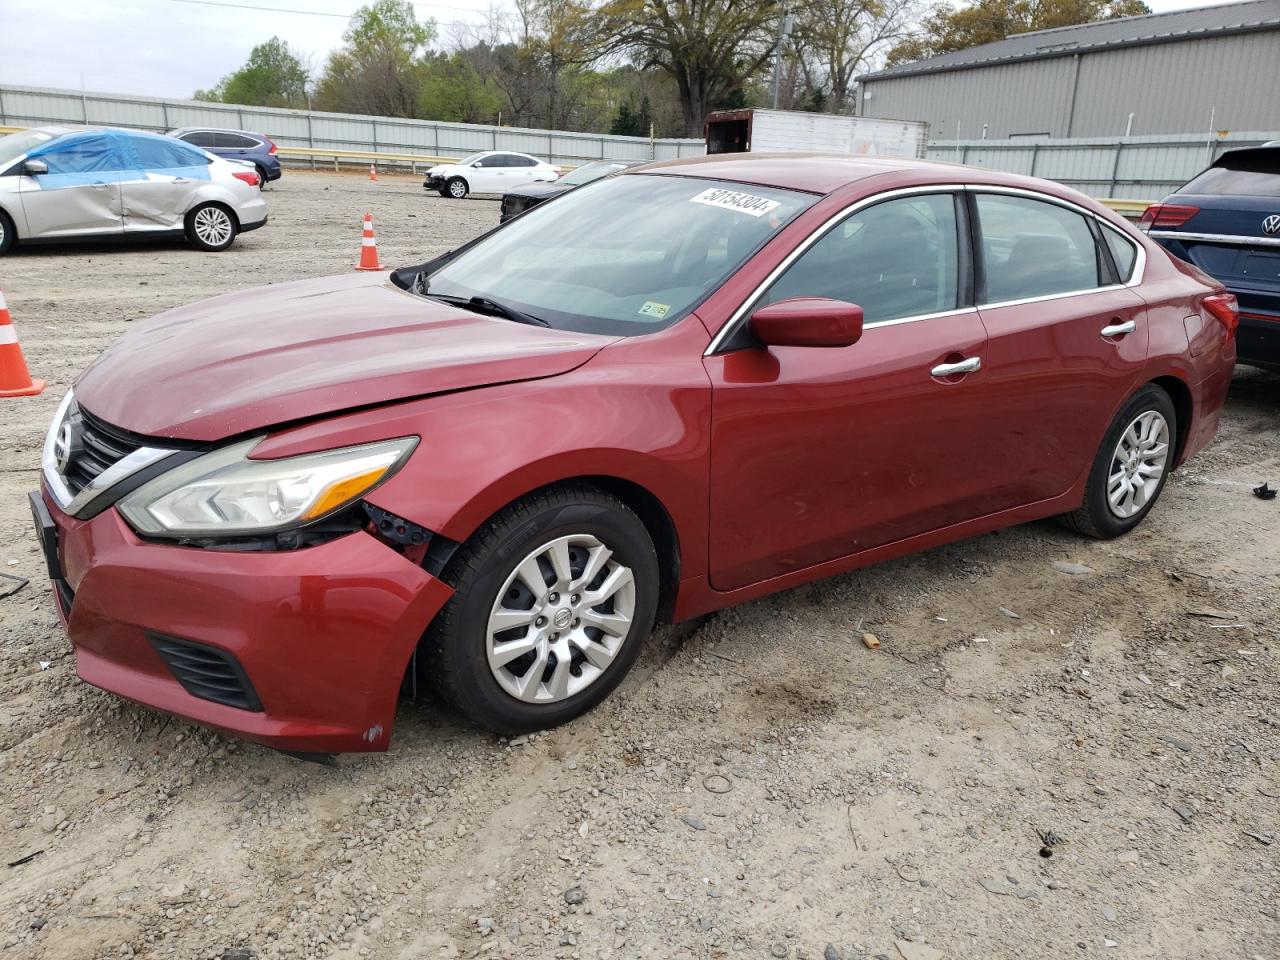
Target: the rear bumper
pixel 322 635
pixel 1258 339
pixel 246 227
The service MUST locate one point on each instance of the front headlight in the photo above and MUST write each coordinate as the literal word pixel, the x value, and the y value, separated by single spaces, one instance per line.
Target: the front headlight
pixel 224 493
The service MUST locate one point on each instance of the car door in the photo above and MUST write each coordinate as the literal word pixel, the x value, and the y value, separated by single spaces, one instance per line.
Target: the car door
pixel 499 174
pixel 80 193
pixel 818 453
pixel 169 172
pixel 522 170
pixel 1067 340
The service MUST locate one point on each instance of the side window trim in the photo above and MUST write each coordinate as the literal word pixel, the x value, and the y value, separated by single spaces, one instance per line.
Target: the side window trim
pixel 1135 277
pixel 728 337
pixel 1107 268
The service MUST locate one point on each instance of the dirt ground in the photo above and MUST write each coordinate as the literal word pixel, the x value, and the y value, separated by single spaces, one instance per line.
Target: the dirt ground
pixel 761 786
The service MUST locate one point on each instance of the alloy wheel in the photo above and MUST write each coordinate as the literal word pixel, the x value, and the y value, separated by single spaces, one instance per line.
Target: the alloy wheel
pixel 1138 464
pixel 560 619
pixel 457 189
pixel 212 225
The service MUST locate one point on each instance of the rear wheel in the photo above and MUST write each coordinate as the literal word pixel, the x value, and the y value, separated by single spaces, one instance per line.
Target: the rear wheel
pixel 211 226
pixel 6 233
pixel 553 600
pixel 1131 467
pixel 457 188
pixel 262 178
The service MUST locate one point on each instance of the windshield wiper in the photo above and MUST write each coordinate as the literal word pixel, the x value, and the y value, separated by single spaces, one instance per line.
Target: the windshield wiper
pixel 485 305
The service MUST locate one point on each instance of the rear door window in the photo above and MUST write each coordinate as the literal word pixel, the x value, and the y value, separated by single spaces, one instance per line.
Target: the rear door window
pixel 895 259
pixel 1034 248
pixel 165 154
pixel 228 141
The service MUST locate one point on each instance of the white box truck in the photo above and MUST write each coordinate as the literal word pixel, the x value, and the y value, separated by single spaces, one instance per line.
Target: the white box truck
pixel 771 131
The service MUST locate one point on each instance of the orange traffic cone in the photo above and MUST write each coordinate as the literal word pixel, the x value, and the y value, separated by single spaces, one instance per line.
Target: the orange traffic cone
pixel 373 173
pixel 368 247
pixel 15 381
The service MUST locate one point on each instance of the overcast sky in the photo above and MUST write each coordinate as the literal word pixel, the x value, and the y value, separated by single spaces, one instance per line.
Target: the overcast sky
pixel 170 48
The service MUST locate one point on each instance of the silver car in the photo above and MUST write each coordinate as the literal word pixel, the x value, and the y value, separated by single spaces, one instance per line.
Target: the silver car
pixel 81 182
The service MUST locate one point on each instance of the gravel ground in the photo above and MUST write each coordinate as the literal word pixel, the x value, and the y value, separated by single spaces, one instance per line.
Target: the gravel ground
pixel 762 786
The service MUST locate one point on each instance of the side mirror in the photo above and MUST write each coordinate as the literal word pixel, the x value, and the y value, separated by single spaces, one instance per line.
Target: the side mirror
pixel 34 168
pixel 808 322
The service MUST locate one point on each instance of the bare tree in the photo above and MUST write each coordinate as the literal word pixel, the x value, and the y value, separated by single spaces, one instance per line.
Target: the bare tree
pixel 841 38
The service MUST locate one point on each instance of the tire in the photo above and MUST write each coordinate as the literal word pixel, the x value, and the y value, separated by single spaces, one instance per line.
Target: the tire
pixel 444 192
pixel 509 693
pixel 212 227
pixel 1151 415
pixel 7 233
pixel 456 188
pixel 262 178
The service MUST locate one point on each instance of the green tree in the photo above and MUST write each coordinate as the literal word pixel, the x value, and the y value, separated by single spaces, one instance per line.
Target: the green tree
pixel 711 48
pixel 946 29
pixel 273 76
pixel 379 69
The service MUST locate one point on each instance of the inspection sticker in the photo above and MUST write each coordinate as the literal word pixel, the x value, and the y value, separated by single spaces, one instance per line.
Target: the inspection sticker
pixel 652 308
pixel 747 203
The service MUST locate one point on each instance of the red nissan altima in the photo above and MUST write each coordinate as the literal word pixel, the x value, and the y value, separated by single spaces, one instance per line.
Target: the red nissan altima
pixel 666 392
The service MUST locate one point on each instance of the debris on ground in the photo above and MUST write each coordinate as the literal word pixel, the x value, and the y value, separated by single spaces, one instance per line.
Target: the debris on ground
pixel 1264 492
pixel 1075 569
pixel 870 641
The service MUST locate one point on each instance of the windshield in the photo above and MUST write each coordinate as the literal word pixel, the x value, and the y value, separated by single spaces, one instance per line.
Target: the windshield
pixel 592 171
pixel 469 159
pixel 16 144
pixel 622 256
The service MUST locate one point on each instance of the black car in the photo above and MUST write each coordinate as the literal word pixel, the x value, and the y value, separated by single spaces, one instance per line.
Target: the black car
pixel 522 198
pixel 1226 221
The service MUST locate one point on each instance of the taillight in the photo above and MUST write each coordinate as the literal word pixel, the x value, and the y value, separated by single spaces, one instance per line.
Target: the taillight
pixel 272 151
pixel 1224 308
pixel 248 176
pixel 1160 215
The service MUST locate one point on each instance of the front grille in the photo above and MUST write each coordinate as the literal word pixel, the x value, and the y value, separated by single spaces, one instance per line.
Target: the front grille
pixel 207 672
pixel 95 447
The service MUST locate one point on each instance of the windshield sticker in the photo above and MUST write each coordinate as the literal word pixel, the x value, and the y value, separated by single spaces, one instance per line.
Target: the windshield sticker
pixel 747 203
pixel 654 309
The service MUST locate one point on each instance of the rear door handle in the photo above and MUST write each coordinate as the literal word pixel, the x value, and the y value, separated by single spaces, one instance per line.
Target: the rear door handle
pixel 1119 329
pixel 968 365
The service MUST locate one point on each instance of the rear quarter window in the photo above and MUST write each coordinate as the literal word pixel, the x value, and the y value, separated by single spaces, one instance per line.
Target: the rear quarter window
pixel 1123 252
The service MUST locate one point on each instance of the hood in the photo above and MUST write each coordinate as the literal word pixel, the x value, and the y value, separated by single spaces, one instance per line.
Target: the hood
pixel 292 351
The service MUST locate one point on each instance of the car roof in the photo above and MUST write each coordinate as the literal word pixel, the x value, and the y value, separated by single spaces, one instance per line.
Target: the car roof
pixel 812 172
pixel 825 173
pixel 248 133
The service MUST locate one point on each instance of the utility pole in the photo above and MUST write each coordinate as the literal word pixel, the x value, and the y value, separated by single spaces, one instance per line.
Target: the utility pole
pixel 785 23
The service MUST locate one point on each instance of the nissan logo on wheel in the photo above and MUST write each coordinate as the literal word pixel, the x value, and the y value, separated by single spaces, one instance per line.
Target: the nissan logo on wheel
pixel 1271 224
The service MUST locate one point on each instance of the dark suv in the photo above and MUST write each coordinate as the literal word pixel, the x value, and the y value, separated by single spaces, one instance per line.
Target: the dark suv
pixel 1226 221
pixel 253 148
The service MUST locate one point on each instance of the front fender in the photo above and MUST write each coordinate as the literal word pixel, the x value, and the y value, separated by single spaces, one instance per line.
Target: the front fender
pixel 639 411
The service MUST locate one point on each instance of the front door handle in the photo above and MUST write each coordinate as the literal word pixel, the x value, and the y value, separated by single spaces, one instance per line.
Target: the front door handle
pixel 1119 329
pixel 968 365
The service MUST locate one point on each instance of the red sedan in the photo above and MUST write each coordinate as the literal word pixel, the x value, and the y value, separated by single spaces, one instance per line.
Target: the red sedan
pixel 666 392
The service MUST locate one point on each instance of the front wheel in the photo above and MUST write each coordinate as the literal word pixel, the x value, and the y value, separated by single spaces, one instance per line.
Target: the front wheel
pixel 211 227
pixel 1131 467
pixel 6 233
pixel 553 600
pixel 457 188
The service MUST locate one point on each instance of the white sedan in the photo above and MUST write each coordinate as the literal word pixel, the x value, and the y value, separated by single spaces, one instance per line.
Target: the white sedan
pixel 491 171
pixel 89 183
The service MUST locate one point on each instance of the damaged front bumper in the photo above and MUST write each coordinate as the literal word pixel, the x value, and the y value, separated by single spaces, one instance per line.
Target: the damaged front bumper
pixel 302 650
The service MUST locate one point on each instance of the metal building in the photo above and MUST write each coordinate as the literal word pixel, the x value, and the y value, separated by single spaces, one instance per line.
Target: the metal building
pixel 1189 71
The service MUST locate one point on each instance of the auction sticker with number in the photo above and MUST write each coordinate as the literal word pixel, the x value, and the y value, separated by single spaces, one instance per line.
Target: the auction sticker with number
pixel 747 203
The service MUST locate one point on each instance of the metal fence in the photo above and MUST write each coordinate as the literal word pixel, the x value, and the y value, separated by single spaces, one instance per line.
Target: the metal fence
pixel 1134 168
pixel 31 106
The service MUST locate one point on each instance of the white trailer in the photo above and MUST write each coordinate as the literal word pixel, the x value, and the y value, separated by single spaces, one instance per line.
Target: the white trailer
pixel 772 131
